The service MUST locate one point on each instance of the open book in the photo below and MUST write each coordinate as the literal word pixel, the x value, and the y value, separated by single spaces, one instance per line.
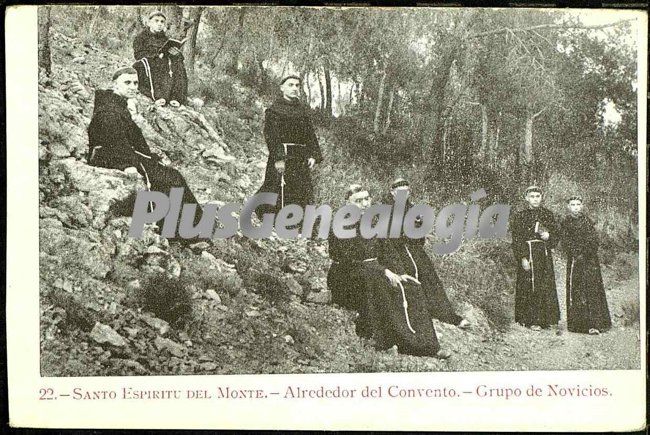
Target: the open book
pixel 172 43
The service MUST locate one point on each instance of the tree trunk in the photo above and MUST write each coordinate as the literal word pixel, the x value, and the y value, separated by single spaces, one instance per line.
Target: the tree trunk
pixel 494 150
pixel 527 148
pixel 532 173
pixel 93 22
pixel 44 56
pixel 309 93
pixel 174 15
pixel 339 103
pixel 451 45
pixel 329 110
pixel 445 137
pixel 321 89
pixel 232 66
pixel 189 49
pixel 437 99
pixel 483 152
pixel 138 24
pixel 380 102
pixel 391 100
pixel 304 81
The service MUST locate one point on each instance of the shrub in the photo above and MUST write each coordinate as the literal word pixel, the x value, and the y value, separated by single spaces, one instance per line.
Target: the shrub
pixel 480 281
pixel 218 90
pixel 169 299
pixel 631 311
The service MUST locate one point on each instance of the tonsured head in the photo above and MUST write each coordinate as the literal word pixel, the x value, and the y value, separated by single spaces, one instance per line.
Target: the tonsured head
pixel 399 185
pixel 290 87
pixel 358 196
pixel 533 196
pixel 574 204
pixel 157 22
pixel 125 82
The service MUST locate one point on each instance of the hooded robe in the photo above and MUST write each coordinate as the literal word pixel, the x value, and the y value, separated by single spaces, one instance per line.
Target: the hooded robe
pixel 354 262
pixel 159 77
pixel 357 281
pixel 412 250
pixel 536 301
pixel 585 294
pixel 116 142
pixel 288 122
pixel 404 313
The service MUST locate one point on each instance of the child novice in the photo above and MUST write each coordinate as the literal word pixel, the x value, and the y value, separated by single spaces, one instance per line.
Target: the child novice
pixel 534 234
pixel 587 310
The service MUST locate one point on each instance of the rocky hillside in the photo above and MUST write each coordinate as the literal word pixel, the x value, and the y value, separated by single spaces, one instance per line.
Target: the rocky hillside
pixel 113 305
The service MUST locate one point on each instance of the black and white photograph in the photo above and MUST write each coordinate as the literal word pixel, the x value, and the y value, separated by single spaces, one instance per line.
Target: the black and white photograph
pixel 270 190
pixel 326 217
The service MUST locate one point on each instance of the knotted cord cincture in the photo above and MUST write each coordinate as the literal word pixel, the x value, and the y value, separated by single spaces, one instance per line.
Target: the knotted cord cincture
pixel 405 304
pixel 146 178
pixel 573 261
pixel 532 270
pixel 412 261
pixel 147 71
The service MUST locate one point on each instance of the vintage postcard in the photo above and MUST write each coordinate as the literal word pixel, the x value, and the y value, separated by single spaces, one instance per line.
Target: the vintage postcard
pixel 326 218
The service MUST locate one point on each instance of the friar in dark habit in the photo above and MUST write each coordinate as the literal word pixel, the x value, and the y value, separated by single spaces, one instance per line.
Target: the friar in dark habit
pixel 535 234
pixel 293 148
pixel 352 258
pixel 411 251
pixel 586 302
pixel 391 305
pixel 116 141
pixel 161 71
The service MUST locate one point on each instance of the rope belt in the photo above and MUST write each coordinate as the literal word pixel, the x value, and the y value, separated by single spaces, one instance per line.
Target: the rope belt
pixel 141 154
pixel 530 257
pixel 282 184
pixel 147 71
pixel 367 260
pixel 286 146
pixel 92 155
pixel 415 266
pixel 573 262
pixel 146 178
pixel 405 304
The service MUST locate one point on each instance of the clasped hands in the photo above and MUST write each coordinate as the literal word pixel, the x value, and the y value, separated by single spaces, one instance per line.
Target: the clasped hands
pixel 280 164
pixel 395 278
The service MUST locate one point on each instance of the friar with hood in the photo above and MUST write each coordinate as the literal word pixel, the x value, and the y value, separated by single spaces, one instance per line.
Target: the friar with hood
pixel 293 148
pixel 586 301
pixel 411 253
pixel 535 234
pixel 116 141
pixel 391 304
pixel 161 71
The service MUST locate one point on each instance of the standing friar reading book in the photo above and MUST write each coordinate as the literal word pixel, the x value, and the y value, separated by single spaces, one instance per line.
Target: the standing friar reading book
pixel 534 235
pixel 159 62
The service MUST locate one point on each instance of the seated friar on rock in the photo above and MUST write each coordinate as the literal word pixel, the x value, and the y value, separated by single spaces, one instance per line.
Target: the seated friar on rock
pixel 411 253
pixel 117 142
pixel 159 63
